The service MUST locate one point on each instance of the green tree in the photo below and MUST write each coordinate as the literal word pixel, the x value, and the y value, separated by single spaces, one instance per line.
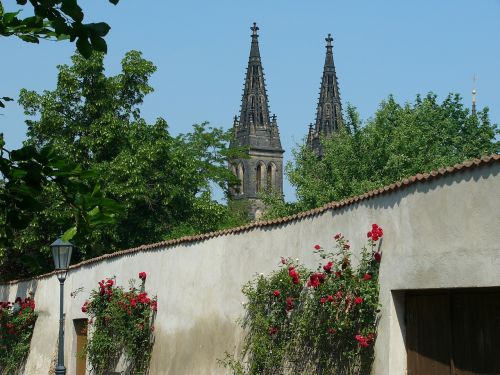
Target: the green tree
pixel 399 141
pixel 162 182
pixel 27 172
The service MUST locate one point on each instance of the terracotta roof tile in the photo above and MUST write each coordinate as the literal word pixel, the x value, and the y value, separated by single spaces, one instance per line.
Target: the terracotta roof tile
pixel 313 212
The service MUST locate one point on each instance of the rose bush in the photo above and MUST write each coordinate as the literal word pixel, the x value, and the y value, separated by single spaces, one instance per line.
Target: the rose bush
pixel 121 324
pixel 17 321
pixel 320 321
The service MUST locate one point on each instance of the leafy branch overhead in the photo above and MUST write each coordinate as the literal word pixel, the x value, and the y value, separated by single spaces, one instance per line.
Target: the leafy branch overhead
pixel 4 99
pixel 55 20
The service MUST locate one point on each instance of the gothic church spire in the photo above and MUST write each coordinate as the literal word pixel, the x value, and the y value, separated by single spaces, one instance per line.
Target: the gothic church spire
pixel 329 110
pixel 256 129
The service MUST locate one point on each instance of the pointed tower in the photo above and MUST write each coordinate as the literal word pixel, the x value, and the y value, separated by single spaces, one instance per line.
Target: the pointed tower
pixel 329 111
pixel 258 131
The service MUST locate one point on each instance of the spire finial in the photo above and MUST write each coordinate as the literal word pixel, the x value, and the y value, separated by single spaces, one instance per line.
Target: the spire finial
pixel 254 29
pixel 329 40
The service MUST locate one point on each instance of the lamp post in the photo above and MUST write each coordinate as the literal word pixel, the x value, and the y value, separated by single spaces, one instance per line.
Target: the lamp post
pixel 61 252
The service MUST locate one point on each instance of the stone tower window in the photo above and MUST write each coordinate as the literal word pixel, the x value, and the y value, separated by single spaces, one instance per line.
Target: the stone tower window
pixel 259 177
pixel 241 176
pixel 271 176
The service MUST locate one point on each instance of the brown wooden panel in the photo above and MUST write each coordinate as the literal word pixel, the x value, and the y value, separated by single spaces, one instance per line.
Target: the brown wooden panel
pixel 81 341
pixel 428 334
pixel 476 331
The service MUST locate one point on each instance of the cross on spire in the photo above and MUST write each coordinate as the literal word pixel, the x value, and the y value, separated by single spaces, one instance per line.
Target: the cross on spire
pixel 254 29
pixel 329 40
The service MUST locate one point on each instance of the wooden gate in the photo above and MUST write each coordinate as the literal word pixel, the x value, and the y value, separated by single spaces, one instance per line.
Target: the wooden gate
pixel 81 341
pixel 453 332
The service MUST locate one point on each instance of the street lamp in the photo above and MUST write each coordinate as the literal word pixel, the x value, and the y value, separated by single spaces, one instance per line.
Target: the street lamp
pixel 61 252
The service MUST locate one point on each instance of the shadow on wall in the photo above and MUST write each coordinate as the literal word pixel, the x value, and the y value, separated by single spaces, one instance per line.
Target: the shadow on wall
pixel 176 352
pixel 22 290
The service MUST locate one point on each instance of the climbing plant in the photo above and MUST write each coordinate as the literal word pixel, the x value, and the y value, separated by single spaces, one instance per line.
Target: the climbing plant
pixel 17 321
pixel 320 321
pixel 121 326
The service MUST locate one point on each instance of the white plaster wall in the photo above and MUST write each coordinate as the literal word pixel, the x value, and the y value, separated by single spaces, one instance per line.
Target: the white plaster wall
pixel 438 234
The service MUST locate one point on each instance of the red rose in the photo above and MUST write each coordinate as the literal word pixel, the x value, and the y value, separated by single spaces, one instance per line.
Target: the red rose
pixel 143 298
pixel 338 236
pixel 154 305
pixel 338 273
pixel 358 300
pixel 330 298
pixel 362 341
pixel 293 274
pixel 283 260
pixel 142 276
pixel 315 279
pixel 276 293
pixel 317 247
pixel 375 233
pixel 377 256
pixel 273 331
pixel 84 307
pixel 322 300
pixel 346 246
pixel 367 276
pixel 328 267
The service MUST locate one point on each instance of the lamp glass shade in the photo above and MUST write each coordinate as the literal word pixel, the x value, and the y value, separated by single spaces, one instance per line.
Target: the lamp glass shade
pixel 61 252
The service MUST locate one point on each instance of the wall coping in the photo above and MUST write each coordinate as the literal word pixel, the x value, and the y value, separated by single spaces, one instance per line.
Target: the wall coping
pixel 400 185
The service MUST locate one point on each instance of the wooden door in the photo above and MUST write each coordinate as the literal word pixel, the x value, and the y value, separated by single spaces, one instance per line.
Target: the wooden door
pixel 453 332
pixel 476 331
pixel 81 342
pixel 428 334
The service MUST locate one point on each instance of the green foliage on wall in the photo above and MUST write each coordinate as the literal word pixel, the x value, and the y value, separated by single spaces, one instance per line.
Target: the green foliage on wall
pixel 121 324
pixel 17 321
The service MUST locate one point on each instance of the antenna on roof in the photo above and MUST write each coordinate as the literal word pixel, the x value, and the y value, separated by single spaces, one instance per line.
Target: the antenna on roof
pixel 474 92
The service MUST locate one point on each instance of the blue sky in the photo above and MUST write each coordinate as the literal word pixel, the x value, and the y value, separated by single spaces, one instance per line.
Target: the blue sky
pixel 201 51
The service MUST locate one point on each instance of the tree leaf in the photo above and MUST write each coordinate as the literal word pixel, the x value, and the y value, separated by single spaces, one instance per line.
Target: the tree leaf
pixel 72 9
pixel 69 234
pixel 84 47
pixel 98 29
pixel 99 44
pixel 29 38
